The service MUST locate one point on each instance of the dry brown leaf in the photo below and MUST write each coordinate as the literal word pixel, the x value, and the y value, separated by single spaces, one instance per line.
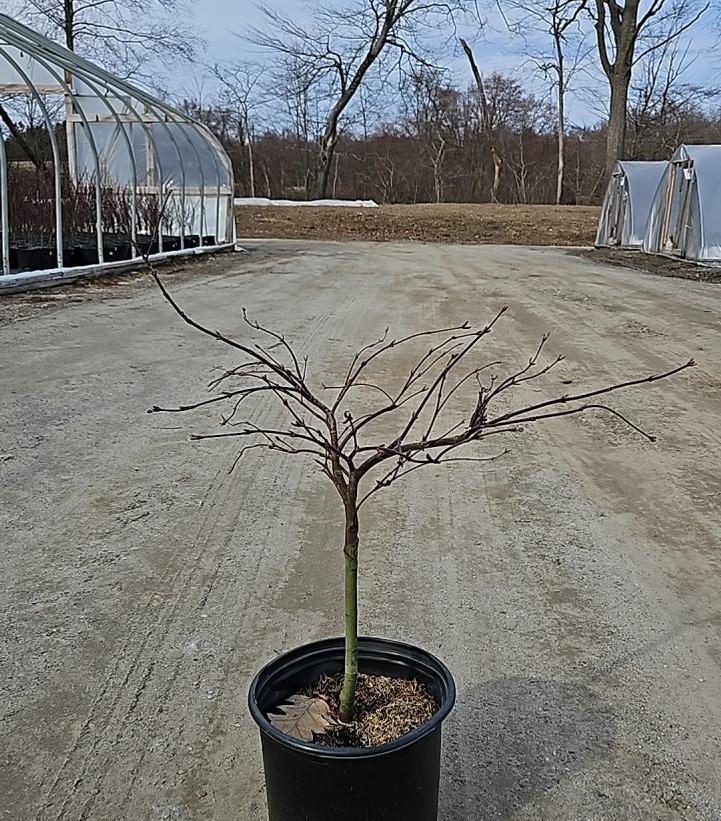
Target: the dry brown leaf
pixel 302 716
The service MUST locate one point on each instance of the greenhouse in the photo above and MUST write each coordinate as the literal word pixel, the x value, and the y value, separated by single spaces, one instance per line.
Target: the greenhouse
pixel 627 203
pixel 685 218
pixel 123 175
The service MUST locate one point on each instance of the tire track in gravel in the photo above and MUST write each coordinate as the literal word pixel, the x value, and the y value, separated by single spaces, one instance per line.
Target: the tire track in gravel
pixel 292 475
pixel 128 679
pixel 548 584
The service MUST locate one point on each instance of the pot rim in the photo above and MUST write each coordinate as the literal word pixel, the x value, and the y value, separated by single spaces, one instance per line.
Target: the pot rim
pixel 379 646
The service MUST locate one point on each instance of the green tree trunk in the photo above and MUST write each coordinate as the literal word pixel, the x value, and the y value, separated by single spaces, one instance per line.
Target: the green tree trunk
pixel 350 555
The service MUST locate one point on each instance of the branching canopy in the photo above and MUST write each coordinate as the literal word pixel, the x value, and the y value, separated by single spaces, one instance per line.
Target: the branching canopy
pixel 321 423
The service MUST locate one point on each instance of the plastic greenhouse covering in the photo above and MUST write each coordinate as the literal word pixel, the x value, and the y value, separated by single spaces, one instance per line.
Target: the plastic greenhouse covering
pixel 685 218
pixel 627 203
pixel 128 174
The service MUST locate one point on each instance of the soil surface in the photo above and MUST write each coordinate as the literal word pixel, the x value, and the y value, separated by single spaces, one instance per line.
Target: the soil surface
pixel 572 587
pixel 654 264
pixel 456 223
pixel 385 709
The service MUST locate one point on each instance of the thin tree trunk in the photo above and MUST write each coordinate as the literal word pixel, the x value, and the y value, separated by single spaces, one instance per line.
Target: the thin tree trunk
pixel 350 556
pixel 268 189
pixel 497 168
pixel 335 177
pixel 561 165
pixel 496 157
pixel 330 133
pixel 251 167
pixel 561 122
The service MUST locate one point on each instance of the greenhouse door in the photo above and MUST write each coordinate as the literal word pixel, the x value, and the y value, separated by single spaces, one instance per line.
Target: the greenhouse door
pixel 677 209
pixel 616 211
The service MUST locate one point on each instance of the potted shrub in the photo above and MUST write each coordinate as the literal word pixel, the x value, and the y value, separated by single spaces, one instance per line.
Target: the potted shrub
pixel 351 727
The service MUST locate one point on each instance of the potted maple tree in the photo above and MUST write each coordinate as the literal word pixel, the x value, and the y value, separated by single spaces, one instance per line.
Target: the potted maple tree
pixel 351 726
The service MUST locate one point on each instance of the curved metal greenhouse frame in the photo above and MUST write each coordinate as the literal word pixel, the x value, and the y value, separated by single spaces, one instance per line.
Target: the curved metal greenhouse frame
pixel 685 215
pixel 131 175
pixel 627 203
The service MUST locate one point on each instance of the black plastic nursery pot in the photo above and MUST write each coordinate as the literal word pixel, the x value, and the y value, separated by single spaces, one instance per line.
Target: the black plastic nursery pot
pixel 36 259
pixel 13 255
pixel 146 245
pixel 118 251
pixel 397 781
pixel 171 242
pixel 72 257
pixel 88 255
pixel 209 239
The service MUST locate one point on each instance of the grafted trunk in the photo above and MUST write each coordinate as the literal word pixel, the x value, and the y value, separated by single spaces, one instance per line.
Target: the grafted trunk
pixel 350 557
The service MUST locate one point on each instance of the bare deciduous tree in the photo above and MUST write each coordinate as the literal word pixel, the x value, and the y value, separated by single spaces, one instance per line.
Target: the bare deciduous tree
pixel 365 432
pixel 341 46
pixel 665 108
pixel 486 120
pixel 123 35
pixel 627 32
pixel 560 20
pixel 241 99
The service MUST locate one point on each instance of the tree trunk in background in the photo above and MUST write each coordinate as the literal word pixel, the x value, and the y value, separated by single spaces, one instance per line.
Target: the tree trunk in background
pixel 69 23
pixel 616 136
pixel 20 139
pixel 497 168
pixel 561 120
pixel 621 24
pixel 496 157
pixel 325 158
pixel 251 167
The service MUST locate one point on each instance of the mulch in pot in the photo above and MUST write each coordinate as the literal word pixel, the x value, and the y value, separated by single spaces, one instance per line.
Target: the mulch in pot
pixel 385 709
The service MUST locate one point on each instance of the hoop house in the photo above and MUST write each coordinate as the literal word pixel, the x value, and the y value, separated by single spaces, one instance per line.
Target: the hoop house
pixel 125 173
pixel 685 217
pixel 627 203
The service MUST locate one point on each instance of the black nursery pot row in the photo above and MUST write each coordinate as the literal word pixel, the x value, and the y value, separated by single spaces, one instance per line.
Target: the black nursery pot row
pixel 84 251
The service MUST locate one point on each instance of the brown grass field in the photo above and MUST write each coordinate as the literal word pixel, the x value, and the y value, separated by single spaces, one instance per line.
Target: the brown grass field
pixel 447 222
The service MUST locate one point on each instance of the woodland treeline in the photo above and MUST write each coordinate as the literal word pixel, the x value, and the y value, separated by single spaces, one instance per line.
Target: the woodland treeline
pixel 436 150
pixel 397 101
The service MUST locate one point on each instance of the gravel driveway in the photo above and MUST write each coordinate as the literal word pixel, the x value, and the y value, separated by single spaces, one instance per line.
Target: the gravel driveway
pixel 572 587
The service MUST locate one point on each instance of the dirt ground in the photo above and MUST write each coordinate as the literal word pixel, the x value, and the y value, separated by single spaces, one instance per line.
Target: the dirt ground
pixel 572 587
pixel 456 223
pixel 654 264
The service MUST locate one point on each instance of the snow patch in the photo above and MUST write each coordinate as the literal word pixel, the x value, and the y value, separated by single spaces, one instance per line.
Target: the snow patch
pixel 343 203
